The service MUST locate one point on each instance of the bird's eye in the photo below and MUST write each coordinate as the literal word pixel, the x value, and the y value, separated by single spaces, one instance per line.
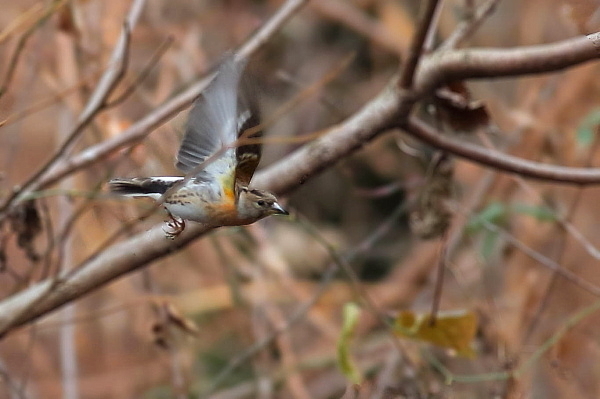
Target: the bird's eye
pixel 260 203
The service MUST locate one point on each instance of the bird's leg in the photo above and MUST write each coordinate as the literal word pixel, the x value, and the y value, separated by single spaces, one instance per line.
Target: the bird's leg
pixel 175 226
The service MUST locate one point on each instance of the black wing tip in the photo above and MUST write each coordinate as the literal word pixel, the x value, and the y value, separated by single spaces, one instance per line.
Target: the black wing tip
pixel 139 186
pixel 123 187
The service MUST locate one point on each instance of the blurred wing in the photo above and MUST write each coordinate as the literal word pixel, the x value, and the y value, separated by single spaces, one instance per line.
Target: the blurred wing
pixel 213 125
pixel 247 156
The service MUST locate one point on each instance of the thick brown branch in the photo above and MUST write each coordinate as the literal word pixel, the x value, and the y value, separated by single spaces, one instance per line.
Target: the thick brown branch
pixel 144 248
pixel 338 142
pixel 499 160
pixel 137 251
pixel 166 111
pixel 390 108
pixel 434 71
pixel 478 63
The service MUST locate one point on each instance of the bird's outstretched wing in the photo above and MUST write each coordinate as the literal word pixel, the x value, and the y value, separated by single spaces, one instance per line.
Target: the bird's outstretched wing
pixel 224 111
pixel 248 155
pixel 212 126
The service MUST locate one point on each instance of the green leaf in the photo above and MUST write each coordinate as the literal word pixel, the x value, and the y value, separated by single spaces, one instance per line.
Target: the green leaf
pixel 540 212
pixel 488 246
pixel 586 130
pixel 494 213
pixel 350 315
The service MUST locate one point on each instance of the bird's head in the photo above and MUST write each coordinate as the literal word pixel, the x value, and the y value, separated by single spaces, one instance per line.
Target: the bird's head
pixel 257 204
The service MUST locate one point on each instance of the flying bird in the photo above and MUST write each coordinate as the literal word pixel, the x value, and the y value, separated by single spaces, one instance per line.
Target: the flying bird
pixel 217 189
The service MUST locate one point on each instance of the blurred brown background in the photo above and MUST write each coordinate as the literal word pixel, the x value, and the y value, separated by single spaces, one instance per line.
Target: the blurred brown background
pixel 171 329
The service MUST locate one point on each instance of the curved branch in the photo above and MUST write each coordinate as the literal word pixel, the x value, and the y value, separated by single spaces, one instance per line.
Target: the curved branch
pixel 144 248
pixel 339 141
pixel 467 28
pixel 119 259
pixel 434 70
pixel 166 111
pixel 499 160
pixel 416 47
pixel 478 63
pixel 391 108
pixel 140 250
pixel 109 80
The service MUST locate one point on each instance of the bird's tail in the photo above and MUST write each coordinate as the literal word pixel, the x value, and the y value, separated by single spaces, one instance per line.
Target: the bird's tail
pixel 142 186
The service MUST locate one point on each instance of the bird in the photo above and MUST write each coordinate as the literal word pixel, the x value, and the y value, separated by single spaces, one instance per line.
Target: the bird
pixel 216 190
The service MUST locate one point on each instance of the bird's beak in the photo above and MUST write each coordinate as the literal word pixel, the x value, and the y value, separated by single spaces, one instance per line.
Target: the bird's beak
pixel 278 210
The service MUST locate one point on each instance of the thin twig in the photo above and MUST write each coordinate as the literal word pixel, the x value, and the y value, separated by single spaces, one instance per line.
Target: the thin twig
pixel 545 261
pixel 162 49
pixel 562 243
pixel 166 111
pixel 382 112
pixel 440 277
pixel 46 102
pixel 416 46
pixel 468 28
pixel 19 21
pixel 499 160
pixel 36 299
pixel 429 43
pixel 378 115
pixel 14 58
pixel 95 104
pixel 330 272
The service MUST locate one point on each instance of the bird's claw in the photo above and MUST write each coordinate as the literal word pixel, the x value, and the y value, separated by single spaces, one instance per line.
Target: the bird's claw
pixel 174 227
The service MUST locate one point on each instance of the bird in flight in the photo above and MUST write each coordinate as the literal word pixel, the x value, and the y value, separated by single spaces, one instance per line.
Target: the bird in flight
pixel 216 191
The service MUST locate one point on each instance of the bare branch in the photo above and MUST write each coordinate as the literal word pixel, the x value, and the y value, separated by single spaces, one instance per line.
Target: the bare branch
pixel 14 58
pixel 389 109
pixel 52 293
pixel 143 74
pixel 416 46
pixel 467 28
pixel 478 63
pixel 95 104
pixel 267 30
pixel 166 111
pixel 544 261
pixel 435 70
pixel 140 250
pixel 499 160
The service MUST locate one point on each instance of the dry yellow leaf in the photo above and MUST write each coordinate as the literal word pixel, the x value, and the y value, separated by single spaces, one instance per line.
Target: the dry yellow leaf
pixel 454 330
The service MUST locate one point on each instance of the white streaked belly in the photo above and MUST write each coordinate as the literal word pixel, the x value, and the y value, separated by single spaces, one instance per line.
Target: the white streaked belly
pixel 188 212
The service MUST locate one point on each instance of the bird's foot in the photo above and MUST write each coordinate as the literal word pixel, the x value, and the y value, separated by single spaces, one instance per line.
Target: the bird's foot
pixel 174 227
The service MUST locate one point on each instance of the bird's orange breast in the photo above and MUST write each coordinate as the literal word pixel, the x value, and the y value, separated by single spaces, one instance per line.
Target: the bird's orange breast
pixel 229 195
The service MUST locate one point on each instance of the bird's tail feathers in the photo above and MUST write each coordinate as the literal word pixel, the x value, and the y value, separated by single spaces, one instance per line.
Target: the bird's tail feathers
pixel 142 186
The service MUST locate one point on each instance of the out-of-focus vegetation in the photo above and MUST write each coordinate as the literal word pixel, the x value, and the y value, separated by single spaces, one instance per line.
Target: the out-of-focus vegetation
pixel 257 311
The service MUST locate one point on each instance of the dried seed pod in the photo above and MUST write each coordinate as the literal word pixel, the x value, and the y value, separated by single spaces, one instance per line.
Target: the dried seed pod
pixel 432 215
